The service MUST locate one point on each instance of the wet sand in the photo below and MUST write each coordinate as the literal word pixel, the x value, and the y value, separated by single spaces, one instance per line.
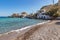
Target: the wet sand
pixel 47 31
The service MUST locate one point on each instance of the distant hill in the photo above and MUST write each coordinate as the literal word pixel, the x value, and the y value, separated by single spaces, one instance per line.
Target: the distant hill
pixel 3 16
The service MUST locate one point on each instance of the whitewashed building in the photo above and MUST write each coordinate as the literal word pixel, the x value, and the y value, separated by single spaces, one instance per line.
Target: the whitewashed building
pixel 43 15
pixel 58 18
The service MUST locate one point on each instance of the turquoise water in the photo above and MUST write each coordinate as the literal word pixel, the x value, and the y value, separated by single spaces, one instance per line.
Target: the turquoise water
pixel 8 24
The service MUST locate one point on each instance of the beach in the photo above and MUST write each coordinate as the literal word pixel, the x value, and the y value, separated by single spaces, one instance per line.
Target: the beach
pixel 46 31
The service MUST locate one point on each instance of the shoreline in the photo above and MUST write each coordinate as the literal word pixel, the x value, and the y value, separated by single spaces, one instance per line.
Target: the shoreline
pixel 48 31
pixel 27 27
pixel 14 33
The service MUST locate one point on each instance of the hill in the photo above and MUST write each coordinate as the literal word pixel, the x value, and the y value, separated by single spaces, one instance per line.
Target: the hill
pixel 52 10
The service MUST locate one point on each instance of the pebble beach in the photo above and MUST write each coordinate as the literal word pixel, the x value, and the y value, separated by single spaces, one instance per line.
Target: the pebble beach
pixel 47 31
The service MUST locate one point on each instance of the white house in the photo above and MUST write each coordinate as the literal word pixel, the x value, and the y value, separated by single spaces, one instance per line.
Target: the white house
pixel 58 18
pixel 43 15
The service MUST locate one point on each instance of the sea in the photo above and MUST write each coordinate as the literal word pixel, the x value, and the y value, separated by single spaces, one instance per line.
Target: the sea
pixel 9 24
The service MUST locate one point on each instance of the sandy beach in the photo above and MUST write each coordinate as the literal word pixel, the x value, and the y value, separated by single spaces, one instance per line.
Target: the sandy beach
pixel 47 31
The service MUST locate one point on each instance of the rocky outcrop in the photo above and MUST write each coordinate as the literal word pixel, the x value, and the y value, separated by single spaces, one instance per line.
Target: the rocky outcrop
pixel 17 15
pixel 23 14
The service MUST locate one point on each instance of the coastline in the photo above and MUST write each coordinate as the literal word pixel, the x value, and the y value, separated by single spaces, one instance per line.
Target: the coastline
pixel 14 33
pixel 47 31
pixel 27 27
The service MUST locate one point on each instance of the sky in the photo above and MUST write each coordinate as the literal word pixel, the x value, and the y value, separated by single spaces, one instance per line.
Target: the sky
pixel 8 7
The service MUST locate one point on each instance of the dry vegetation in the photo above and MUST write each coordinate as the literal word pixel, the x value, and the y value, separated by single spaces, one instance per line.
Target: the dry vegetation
pixel 52 10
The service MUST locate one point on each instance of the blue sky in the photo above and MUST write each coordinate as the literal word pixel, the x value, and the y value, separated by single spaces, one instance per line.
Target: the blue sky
pixel 8 7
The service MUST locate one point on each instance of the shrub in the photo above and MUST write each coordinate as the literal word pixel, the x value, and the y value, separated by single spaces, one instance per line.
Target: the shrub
pixel 53 11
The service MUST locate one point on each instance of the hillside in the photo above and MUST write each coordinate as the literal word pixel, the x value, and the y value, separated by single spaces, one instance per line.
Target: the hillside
pixel 52 9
